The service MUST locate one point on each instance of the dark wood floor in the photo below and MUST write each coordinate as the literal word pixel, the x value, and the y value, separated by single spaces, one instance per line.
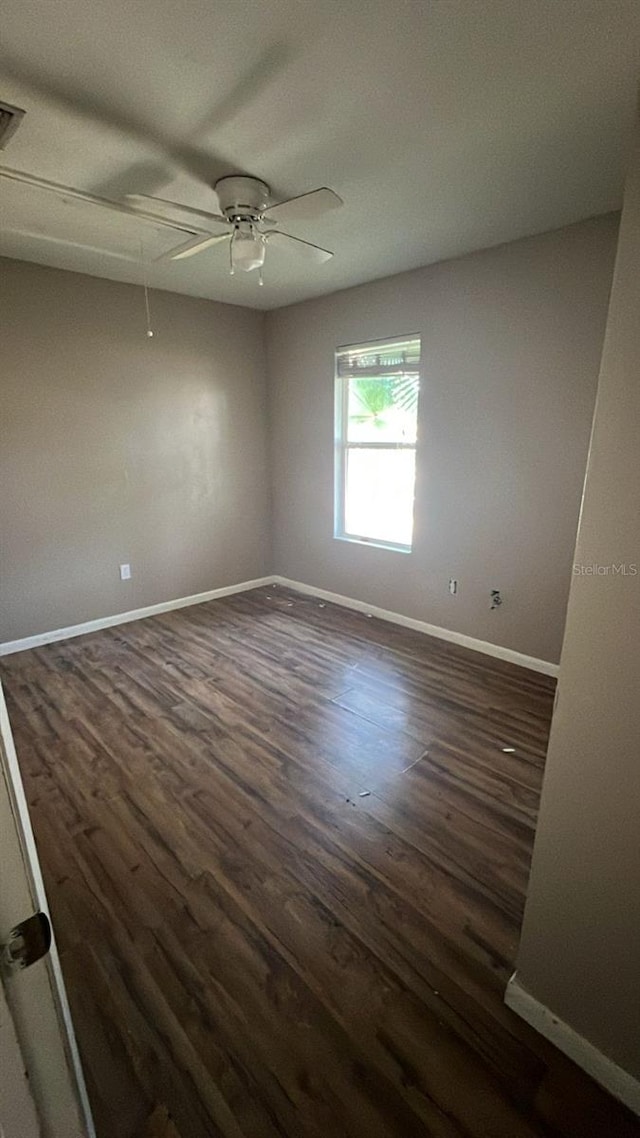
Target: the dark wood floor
pixel 286 856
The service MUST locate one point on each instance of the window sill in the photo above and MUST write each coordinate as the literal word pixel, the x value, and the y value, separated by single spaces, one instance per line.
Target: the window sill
pixel 366 542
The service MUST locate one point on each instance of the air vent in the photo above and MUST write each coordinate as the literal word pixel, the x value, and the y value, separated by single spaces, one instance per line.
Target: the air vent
pixel 10 119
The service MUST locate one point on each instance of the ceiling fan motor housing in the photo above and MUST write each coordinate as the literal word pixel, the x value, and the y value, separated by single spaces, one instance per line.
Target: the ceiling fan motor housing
pixel 242 197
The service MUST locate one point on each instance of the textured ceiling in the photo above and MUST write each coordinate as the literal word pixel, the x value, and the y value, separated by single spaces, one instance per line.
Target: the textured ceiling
pixel 445 125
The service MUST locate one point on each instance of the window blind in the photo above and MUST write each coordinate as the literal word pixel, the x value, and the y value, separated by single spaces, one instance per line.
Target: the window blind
pixel 399 357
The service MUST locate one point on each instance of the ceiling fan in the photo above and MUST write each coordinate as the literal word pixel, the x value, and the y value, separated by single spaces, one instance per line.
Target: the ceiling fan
pixel 248 221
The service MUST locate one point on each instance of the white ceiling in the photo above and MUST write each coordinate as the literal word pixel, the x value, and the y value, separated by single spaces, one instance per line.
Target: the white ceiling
pixel 445 125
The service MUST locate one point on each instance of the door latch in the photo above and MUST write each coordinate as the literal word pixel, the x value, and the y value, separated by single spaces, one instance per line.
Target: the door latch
pixel 28 942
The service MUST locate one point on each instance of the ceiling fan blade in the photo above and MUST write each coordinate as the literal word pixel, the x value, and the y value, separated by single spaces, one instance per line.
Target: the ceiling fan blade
pixel 196 245
pixel 306 207
pixel 297 245
pixel 138 201
pixel 93 199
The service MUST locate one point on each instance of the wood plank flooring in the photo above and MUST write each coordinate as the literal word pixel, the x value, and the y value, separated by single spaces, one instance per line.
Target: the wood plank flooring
pixel 286 856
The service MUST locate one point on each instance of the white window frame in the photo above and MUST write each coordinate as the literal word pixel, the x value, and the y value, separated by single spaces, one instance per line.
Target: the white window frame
pixel 342 446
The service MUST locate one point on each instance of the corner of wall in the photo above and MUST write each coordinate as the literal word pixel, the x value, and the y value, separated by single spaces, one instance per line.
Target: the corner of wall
pixel 271 557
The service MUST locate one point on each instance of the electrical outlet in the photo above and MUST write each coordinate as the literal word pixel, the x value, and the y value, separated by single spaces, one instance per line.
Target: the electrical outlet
pixel 125 572
pixel 453 586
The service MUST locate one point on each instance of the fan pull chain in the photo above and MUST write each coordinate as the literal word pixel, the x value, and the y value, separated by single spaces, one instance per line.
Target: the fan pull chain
pixel 146 292
pixel 146 304
pixel 260 277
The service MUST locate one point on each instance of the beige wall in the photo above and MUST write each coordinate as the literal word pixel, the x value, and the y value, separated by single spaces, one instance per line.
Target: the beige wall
pixel 511 342
pixel 580 949
pixel 115 448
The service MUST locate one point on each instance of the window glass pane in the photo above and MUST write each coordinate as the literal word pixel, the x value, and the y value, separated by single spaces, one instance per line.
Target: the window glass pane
pixel 379 489
pixel 382 409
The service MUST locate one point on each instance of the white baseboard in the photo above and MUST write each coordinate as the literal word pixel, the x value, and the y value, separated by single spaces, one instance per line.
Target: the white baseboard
pixel 11 646
pixel 495 650
pixel 484 646
pixel 608 1074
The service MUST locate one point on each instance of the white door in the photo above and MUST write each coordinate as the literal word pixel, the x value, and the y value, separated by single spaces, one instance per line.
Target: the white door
pixel 35 995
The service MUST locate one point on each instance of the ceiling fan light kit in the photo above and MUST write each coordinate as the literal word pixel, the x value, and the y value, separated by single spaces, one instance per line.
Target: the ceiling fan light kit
pixel 248 248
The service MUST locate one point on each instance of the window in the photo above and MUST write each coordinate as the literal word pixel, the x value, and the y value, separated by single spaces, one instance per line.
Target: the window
pixel 377 389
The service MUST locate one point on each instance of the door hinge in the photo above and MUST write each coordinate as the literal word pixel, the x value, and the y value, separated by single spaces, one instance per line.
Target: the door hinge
pixel 28 942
